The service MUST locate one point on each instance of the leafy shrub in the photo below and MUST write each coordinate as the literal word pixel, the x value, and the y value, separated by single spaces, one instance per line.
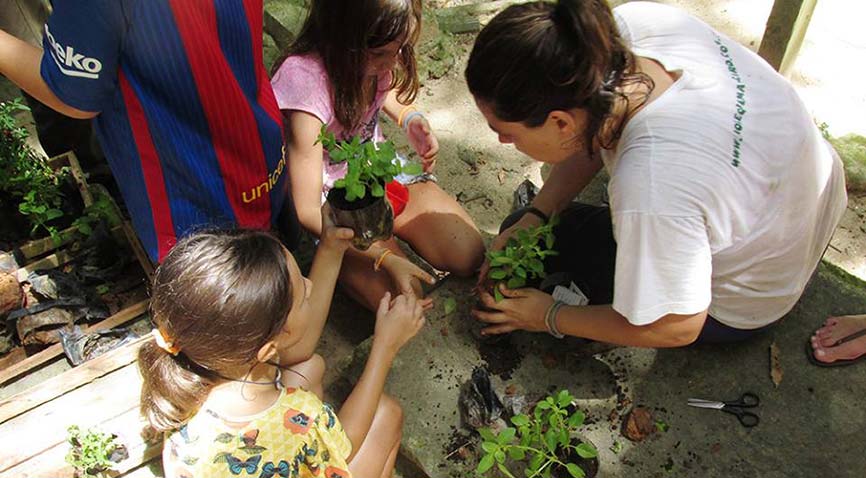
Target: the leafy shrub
pixel 543 440
pixel 522 258
pixel 370 166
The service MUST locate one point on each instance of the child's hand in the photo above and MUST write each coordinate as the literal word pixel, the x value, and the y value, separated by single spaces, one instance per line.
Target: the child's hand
pixel 406 275
pixel 397 322
pixel 333 237
pixel 424 142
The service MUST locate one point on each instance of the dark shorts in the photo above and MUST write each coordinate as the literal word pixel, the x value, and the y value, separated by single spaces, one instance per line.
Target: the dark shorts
pixel 587 257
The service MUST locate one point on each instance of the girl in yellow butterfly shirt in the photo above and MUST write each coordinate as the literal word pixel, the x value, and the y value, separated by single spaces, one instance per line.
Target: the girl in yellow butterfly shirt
pixel 231 376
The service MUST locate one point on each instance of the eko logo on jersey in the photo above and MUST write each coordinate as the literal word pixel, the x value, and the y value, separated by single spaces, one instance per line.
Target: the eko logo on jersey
pixel 71 63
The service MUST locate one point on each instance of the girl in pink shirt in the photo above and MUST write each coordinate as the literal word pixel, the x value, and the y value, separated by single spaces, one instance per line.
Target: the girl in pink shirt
pixel 351 61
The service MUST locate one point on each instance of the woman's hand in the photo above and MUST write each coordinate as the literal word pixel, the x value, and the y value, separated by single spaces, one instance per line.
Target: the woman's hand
pixel 406 275
pixel 335 238
pixel 397 321
pixel 528 220
pixel 521 309
pixel 423 140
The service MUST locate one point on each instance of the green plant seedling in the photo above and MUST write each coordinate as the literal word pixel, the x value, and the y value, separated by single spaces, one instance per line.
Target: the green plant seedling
pixel 90 452
pixel 25 176
pixel 522 258
pixel 370 166
pixel 543 441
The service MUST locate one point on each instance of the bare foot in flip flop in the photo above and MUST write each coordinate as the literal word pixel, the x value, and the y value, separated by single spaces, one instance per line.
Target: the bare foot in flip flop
pixel 841 341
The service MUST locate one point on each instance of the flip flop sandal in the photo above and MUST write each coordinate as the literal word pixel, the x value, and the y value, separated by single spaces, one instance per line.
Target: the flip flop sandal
pixel 810 352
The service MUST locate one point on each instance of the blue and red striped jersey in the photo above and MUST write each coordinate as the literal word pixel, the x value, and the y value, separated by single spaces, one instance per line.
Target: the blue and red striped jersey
pixel 187 117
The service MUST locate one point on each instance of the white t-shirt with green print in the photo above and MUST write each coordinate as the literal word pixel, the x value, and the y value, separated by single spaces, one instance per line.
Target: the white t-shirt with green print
pixel 723 193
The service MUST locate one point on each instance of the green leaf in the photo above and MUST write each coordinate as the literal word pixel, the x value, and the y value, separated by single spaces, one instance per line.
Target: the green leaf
pixel 563 398
pixel 662 426
pixel 53 214
pixel 585 450
pixel 484 464
pixel 503 469
pixel 377 190
pixel 490 447
pixel 224 438
pixel 497 274
pixel 506 436
pixel 551 438
pixel 616 447
pixel 574 470
pixel 516 453
pixel 516 282
pixel 487 435
pixel 520 420
pixel 499 456
pixel 576 419
pixel 535 462
pixel 543 405
pixel 450 305
pixel 497 294
pixel 413 169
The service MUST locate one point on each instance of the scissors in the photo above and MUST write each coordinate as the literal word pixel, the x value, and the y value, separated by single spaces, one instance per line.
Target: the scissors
pixel 734 407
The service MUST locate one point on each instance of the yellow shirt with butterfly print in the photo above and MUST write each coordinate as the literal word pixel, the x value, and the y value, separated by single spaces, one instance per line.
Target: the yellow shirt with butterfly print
pixel 299 436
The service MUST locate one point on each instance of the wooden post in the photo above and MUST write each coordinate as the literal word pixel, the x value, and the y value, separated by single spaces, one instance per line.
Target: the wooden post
pixel 785 31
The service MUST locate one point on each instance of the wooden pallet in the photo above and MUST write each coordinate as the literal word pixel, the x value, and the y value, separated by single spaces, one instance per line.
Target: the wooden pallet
pixel 102 393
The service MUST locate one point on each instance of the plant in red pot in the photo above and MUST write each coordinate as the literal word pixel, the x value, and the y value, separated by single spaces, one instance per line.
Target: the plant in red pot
pixel 358 200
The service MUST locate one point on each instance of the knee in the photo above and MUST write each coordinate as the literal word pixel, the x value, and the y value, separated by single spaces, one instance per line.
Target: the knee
pixel 392 412
pixel 467 256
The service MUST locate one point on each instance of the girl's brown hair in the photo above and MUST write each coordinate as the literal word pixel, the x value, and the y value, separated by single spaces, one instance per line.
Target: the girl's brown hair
pixel 218 298
pixel 342 31
pixel 538 57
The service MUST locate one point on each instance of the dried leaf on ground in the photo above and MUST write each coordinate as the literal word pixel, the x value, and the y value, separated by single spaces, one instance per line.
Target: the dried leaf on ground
pixel 775 364
pixel 639 424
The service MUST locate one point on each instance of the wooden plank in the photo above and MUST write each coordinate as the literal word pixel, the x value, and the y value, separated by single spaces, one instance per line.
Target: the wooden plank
pixel 784 33
pixel 55 350
pixel 126 426
pixel 81 375
pixel 48 262
pixel 44 427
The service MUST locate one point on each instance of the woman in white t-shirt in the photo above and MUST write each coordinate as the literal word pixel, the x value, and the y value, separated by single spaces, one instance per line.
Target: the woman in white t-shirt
pixel 723 194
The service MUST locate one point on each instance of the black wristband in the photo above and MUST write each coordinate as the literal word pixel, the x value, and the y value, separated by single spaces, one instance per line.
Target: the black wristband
pixel 537 212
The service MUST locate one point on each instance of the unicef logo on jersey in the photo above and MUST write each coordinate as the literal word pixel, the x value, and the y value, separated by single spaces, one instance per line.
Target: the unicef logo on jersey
pixel 71 63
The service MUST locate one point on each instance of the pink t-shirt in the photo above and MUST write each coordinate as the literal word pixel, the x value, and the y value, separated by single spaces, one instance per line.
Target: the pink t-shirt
pixel 301 83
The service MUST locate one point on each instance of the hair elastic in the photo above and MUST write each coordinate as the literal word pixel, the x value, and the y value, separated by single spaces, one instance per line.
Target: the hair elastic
pixel 163 343
pixel 409 117
pixel 401 116
pixel 378 264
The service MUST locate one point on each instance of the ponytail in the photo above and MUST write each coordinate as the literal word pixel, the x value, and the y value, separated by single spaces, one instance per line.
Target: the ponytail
pixel 172 391
pixel 538 57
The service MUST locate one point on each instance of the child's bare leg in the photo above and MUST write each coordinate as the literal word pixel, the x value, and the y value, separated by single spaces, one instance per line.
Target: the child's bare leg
pixel 378 453
pixel 307 375
pixel 440 231
pixel 365 285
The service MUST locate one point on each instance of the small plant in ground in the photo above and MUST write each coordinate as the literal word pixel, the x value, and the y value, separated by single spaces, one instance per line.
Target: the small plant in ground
pixel 25 176
pixel 370 166
pixel 544 440
pixel 91 452
pixel 522 258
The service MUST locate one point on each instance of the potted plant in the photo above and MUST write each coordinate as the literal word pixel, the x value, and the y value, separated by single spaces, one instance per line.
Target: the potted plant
pixel 521 262
pixel 358 199
pixel 93 453
pixel 547 442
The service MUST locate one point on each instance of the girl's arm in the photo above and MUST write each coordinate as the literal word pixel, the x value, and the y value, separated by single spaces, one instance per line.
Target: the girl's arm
pixel 323 275
pixel 417 130
pixel 525 309
pixel 20 62
pixel 395 325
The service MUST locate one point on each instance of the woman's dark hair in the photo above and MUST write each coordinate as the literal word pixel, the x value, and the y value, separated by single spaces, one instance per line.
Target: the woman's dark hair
pixel 218 298
pixel 342 31
pixel 538 57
